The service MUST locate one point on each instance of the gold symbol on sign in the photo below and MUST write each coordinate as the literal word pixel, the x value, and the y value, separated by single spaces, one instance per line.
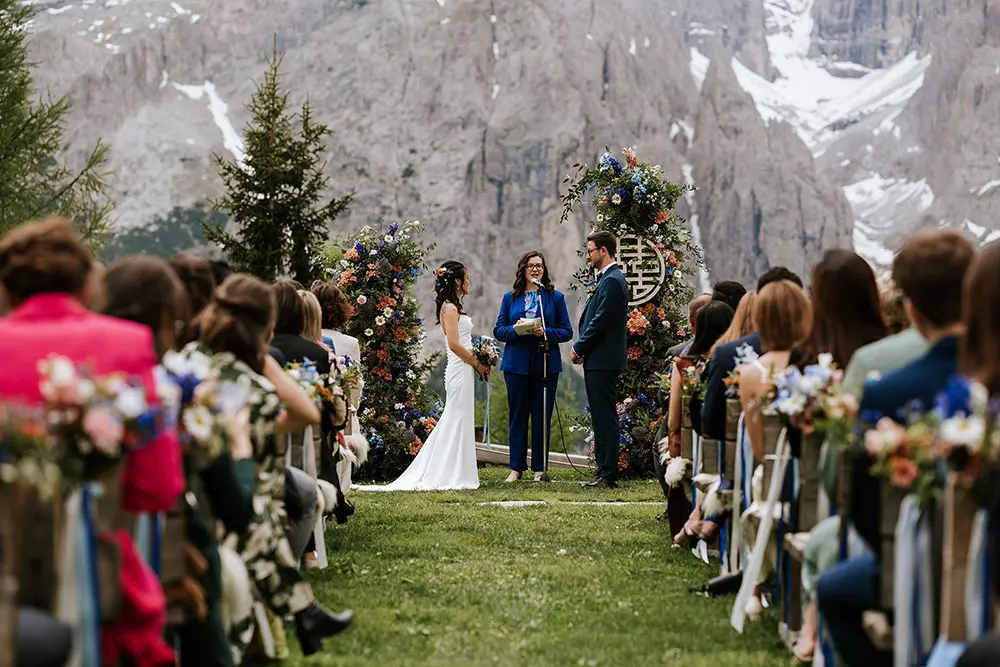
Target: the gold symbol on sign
pixel 644 267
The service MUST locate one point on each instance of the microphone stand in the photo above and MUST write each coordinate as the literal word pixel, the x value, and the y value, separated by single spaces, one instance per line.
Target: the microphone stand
pixel 544 343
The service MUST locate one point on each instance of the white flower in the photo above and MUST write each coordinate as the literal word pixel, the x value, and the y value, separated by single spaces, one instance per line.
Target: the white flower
pixel 388 238
pixel 979 398
pixel 131 402
pixel 194 363
pixel 387 312
pixel 197 421
pixel 963 431
pixel 886 435
pixel 616 199
pixel 369 332
pixel 380 321
pixel 825 360
pixel 61 371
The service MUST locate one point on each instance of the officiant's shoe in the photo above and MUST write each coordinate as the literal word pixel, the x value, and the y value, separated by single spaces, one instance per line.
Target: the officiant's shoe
pixel 513 477
pixel 542 477
pixel 591 481
pixel 602 483
pixel 314 623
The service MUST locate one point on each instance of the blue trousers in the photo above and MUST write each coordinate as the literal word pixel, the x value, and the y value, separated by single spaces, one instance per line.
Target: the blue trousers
pixel 524 400
pixel 846 591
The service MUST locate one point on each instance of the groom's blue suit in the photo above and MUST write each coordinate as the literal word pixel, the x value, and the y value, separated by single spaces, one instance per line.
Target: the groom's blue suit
pixel 602 344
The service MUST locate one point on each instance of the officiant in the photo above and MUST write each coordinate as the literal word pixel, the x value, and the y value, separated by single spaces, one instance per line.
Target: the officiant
pixel 519 327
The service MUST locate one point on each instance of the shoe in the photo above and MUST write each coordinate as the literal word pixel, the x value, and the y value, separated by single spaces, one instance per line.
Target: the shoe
pixel 314 623
pixel 512 477
pixel 602 483
pixel 591 481
pixel 542 477
pixel 310 561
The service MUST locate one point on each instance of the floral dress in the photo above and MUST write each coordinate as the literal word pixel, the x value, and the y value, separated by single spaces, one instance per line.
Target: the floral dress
pixel 264 546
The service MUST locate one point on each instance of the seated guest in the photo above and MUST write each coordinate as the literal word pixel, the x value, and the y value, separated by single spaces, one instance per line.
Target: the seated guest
pixel 693 307
pixel 980 361
pixel 291 320
pixel 713 408
pixel 930 270
pixel 729 292
pixel 146 290
pixel 44 272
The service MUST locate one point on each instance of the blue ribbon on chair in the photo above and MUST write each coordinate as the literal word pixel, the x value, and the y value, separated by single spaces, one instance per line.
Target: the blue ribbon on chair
pixel 154 556
pixel 90 598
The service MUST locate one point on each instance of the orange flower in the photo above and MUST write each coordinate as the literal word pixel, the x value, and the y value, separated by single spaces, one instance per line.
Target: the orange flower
pixel 32 430
pixel 347 278
pixel 384 355
pixel 661 217
pixel 416 447
pixel 648 308
pixel 903 472
pixel 401 334
pixel 635 352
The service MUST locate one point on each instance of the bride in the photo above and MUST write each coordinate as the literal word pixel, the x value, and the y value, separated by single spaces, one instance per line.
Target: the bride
pixel 448 458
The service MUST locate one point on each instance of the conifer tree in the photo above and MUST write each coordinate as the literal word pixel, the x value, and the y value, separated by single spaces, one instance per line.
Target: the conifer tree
pixel 34 182
pixel 276 195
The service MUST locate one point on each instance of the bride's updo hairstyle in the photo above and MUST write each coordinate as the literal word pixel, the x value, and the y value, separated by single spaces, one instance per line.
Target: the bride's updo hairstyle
pixel 239 319
pixel 448 277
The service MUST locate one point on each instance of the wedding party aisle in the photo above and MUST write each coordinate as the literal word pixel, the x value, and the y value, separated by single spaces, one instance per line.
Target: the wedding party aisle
pixel 526 574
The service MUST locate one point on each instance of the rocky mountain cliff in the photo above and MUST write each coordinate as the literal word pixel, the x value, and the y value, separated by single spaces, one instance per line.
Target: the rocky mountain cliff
pixel 805 124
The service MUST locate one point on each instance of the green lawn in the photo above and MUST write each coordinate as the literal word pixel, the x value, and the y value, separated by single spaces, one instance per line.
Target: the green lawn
pixel 438 579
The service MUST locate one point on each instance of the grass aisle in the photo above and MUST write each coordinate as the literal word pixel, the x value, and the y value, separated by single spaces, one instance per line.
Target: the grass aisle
pixel 439 579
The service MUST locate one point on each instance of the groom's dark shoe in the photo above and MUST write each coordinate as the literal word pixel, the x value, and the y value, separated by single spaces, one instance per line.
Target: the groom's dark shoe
pixel 602 483
pixel 591 481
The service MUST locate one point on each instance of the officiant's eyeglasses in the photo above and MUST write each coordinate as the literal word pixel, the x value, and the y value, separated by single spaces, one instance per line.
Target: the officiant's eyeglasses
pixel 536 266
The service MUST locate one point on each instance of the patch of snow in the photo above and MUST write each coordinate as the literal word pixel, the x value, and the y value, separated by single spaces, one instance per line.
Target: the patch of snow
pixel 164 80
pixel 162 19
pixel 679 126
pixel 590 37
pixel 126 31
pixel 876 192
pixel 113 48
pixel 180 11
pixel 493 18
pixel 496 51
pixel 989 187
pixel 440 3
pixel 696 28
pixel 445 21
pixel 219 110
pixel 845 163
pixel 873 251
pixel 645 42
pixel 496 90
pixel 631 48
pixel 977 230
pixel 813 101
pixel 59 10
pixel 991 237
pixel 704 280
pixel 699 67
pixel 195 17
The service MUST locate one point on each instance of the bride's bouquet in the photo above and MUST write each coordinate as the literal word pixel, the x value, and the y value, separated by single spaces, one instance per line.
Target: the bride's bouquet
pixel 486 351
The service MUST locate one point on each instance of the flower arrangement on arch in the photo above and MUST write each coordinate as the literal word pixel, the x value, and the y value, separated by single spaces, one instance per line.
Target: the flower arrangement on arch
pixel 377 269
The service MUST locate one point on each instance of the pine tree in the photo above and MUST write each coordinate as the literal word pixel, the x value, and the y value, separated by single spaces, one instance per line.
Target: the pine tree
pixel 275 194
pixel 33 180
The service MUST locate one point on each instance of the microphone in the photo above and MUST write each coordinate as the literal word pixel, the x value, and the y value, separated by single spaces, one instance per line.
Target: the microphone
pixel 537 282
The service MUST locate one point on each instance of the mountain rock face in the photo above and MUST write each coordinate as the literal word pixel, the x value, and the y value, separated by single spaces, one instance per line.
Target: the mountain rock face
pixel 805 124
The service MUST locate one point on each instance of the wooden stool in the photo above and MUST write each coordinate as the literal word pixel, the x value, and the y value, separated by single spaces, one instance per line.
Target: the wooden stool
pixel 687 439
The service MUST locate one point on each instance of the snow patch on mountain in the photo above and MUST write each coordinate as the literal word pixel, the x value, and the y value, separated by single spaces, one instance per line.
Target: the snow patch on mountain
pixel 220 114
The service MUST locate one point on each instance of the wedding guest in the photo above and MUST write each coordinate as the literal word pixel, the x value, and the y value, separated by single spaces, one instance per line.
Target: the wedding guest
pixel 312 328
pixel 238 321
pixel 713 411
pixel 693 307
pixel 980 361
pixel 930 270
pixel 729 292
pixel 846 315
pixel 712 321
pixel 199 283
pixel 291 320
pixel 336 310
pixel 783 314
pixel 146 290
pixel 742 325
pixel 523 360
pixel 44 271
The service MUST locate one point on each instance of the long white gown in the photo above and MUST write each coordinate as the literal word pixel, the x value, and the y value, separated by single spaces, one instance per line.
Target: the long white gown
pixel 448 458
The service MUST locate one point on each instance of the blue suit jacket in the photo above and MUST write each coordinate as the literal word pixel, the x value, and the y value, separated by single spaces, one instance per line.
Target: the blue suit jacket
pixel 522 355
pixel 603 339
pixel 893 396
pixel 713 407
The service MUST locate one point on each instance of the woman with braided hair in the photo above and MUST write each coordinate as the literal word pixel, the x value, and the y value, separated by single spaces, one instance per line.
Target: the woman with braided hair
pixel 448 458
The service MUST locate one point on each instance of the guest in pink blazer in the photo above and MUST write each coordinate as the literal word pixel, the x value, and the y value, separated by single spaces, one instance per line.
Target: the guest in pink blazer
pixel 44 270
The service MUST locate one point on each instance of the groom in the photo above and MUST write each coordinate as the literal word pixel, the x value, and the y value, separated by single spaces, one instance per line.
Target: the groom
pixel 602 351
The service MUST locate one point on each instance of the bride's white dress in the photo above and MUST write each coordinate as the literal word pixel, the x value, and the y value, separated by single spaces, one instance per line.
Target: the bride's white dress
pixel 448 458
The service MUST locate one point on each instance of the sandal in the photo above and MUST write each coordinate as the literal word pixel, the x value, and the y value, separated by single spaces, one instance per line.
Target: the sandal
pixel 512 477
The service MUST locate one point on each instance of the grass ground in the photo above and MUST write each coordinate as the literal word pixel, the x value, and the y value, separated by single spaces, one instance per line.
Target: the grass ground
pixel 440 579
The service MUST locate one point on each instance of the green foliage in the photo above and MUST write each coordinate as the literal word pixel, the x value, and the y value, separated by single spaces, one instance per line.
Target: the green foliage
pixel 181 229
pixel 276 193
pixel 377 269
pixel 33 180
pixel 635 200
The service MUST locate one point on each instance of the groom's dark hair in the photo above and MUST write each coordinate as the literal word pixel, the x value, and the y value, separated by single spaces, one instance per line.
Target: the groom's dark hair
pixel 603 239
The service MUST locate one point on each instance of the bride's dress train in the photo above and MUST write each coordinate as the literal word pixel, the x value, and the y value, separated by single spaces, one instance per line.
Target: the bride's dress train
pixel 448 458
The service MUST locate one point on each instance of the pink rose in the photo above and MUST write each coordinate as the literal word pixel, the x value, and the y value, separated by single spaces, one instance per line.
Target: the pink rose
pixel 104 429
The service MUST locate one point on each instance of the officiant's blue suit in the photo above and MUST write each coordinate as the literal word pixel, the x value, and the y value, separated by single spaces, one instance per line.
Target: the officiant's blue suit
pixel 603 346
pixel 522 371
